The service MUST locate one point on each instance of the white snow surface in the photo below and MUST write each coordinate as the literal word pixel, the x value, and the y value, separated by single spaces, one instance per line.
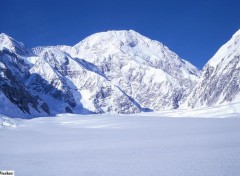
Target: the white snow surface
pixel 13 45
pixel 219 111
pixel 141 144
pixel 219 83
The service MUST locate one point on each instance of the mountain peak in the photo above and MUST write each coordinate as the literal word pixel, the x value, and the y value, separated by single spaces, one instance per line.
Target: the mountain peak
pixel 5 40
pixel 13 45
pixel 118 32
pixel 117 38
pixel 129 32
pixel 3 35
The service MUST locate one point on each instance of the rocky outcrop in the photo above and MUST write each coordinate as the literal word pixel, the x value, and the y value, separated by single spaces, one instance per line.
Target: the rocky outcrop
pixel 13 71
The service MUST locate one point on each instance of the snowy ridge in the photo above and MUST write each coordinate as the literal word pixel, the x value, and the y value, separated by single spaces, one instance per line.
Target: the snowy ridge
pixel 220 81
pixel 139 66
pixel 13 45
pixel 74 84
pixel 39 49
pixel 230 49
pixel 112 72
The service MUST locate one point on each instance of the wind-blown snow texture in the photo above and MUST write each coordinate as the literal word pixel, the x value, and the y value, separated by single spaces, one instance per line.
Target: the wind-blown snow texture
pixel 114 71
pixel 133 145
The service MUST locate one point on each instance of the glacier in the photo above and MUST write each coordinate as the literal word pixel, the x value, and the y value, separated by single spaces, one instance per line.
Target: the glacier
pixel 136 144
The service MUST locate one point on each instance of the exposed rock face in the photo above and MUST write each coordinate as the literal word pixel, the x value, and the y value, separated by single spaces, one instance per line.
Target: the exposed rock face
pixel 145 70
pixel 114 71
pixel 76 84
pixel 12 74
pixel 220 80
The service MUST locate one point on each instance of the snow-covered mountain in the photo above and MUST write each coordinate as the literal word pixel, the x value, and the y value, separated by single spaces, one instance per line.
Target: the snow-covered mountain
pixel 145 70
pixel 114 71
pixel 15 99
pixel 77 84
pixel 220 80
pixel 14 46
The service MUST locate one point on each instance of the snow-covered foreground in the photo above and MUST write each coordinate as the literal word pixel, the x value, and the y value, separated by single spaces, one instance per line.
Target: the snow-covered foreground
pixel 121 145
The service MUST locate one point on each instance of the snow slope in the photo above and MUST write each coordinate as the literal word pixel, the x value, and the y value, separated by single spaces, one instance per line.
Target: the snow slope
pixel 115 71
pixel 220 80
pixel 231 110
pixel 14 46
pixel 8 108
pixel 75 86
pixel 100 145
pixel 146 70
pixel 13 91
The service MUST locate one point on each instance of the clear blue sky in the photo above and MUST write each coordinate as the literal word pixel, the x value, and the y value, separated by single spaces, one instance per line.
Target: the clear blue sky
pixel 192 29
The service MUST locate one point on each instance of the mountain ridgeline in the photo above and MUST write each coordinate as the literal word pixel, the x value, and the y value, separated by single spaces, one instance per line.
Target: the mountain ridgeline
pixel 112 72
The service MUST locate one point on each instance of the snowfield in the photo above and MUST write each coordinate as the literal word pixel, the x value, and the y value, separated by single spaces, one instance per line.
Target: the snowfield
pixel 118 145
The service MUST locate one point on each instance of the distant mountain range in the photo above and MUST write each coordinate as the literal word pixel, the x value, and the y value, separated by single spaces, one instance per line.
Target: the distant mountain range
pixel 112 72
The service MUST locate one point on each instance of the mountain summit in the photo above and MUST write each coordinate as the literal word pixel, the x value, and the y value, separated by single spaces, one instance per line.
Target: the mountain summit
pixel 13 45
pixel 144 69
